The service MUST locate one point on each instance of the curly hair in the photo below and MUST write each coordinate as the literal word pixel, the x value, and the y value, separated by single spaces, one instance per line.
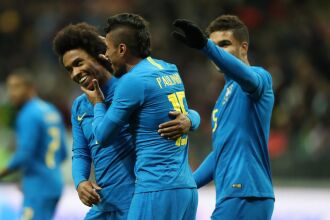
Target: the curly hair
pixel 80 36
pixel 229 23
pixel 135 33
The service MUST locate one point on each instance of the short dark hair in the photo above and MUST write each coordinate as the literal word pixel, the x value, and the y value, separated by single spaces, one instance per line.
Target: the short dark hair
pixel 80 36
pixel 229 23
pixel 136 35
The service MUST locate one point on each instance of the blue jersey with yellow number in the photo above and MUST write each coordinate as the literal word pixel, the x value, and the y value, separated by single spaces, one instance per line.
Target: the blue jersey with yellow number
pixel 144 97
pixel 41 148
pixel 113 165
pixel 240 128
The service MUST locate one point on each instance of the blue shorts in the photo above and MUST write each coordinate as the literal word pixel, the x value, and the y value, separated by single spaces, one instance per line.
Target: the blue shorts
pixel 93 214
pixel 38 208
pixel 175 204
pixel 246 208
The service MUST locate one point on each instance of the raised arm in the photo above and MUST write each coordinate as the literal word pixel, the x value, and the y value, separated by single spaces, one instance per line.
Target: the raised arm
pixel 233 67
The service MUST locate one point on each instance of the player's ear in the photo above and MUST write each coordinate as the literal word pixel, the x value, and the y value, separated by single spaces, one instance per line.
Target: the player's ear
pixel 122 49
pixel 244 48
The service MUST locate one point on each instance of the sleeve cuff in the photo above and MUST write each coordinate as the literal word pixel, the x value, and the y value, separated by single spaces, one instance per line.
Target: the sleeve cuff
pixel 78 181
pixel 194 119
pixel 205 49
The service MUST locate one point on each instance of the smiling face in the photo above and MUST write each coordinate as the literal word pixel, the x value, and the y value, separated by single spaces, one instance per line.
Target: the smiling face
pixel 83 68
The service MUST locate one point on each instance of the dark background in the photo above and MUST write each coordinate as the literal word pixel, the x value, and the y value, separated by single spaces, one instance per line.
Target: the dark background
pixel 289 38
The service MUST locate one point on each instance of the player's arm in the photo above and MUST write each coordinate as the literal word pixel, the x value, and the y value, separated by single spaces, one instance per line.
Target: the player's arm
pixel 107 123
pixel 27 134
pixel 195 119
pixel 204 173
pixel 81 165
pixel 181 124
pixel 233 67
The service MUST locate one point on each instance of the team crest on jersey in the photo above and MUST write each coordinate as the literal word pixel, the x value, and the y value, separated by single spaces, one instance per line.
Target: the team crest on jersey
pixel 227 95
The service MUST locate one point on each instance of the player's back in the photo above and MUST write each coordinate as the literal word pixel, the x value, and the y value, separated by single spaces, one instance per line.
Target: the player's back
pixel 42 173
pixel 161 163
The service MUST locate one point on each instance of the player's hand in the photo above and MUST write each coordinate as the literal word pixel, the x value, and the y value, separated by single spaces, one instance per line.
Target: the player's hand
pixel 174 129
pixel 192 35
pixel 95 95
pixel 87 192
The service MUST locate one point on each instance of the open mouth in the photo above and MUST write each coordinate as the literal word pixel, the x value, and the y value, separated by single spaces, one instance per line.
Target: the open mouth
pixel 86 81
pixel 83 79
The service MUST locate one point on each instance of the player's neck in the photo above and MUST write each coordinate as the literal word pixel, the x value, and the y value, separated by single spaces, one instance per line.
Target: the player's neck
pixel 29 96
pixel 133 61
pixel 246 60
pixel 106 77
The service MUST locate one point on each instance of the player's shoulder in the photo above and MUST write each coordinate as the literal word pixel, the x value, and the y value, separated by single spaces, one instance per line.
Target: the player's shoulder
pixel 28 110
pixel 165 65
pixel 79 103
pixel 133 82
pixel 37 109
pixel 150 64
pixel 145 71
pixel 37 106
pixel 80 99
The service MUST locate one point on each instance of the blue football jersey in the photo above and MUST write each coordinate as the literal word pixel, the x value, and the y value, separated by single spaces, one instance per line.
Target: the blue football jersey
pixel 113 164
pixel 239 162
pixel 144 97
pixel 41 147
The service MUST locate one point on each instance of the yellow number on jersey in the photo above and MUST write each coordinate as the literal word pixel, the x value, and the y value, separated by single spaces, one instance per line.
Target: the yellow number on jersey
pixel 177 101
pixel 215 120
pixel 28 213
pixel 53 146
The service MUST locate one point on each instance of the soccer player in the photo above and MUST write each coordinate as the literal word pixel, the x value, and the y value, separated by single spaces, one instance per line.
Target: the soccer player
pixel 41 148
pixel 239 162
pixel 147 91
pixel 78 47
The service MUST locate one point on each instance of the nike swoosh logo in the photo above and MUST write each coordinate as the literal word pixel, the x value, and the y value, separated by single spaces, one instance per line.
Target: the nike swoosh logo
pixel 80 118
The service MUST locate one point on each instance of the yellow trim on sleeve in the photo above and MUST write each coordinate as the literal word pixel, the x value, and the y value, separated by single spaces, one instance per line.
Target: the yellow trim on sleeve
pixel 154 63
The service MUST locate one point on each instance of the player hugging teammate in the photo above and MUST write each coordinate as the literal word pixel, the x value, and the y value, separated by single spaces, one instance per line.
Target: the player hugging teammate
pixel 122 123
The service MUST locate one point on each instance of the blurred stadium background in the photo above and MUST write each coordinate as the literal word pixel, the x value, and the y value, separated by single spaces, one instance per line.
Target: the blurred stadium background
pixel 290 38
